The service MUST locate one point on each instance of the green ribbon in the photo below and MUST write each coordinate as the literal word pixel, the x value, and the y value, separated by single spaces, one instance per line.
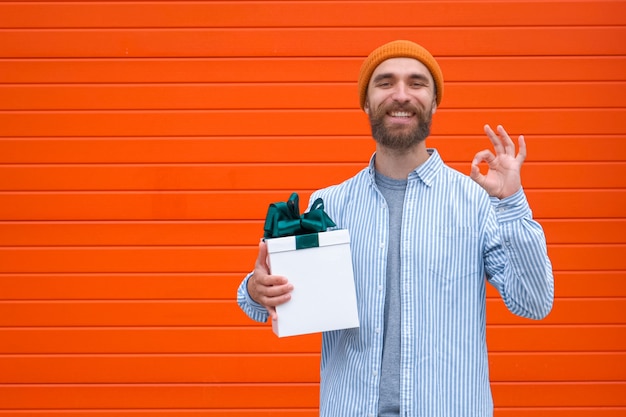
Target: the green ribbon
pixel 284 219
pixel 311 240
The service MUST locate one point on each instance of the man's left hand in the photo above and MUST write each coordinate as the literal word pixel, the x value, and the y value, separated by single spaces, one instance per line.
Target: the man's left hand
pixel 503 178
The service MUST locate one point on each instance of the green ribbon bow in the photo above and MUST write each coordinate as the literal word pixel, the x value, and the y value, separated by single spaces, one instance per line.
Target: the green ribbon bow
pixel 284 219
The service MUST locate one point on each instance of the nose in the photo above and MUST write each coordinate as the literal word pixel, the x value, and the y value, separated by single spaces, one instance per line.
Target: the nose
pixel 400 93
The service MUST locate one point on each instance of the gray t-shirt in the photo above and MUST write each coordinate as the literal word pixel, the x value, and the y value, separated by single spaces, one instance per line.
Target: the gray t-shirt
pixel 389 391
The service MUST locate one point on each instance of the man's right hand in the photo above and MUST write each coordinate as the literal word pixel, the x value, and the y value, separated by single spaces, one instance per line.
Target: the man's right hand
pixel 266 289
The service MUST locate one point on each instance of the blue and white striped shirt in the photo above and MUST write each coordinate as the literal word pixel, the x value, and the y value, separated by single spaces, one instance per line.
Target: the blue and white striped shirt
pixel 453 236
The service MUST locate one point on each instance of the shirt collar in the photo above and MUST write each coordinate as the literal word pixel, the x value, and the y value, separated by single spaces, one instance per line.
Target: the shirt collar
pixel 425 172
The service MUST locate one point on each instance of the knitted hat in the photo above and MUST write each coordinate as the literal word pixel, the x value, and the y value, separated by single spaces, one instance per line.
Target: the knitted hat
pixel 399 49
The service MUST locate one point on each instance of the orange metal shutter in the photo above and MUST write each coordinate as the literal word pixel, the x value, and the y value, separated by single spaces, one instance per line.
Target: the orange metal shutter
pixel 141 142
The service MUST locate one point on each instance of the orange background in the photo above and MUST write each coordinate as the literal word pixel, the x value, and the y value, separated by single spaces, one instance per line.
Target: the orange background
pixel 141 143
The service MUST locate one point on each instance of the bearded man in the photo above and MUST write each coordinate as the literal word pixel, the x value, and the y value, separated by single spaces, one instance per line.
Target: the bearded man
pixel 425 240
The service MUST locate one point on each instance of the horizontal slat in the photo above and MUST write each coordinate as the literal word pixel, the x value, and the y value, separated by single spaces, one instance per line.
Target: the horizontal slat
pixel 226 313
pixel 510 367
pixel 128 259
pixel 238 412
pixel 124 313
pixel 232 259
pixel 216 286
pixel 520 338
pixel 561 412
pixel 190 368
pixel 224 233
pixel 159 396
pixel 553 338
pixel 309 96
pixel 120 396
pixel 308 14
pixel 162 177
pixel 154 340
pixel 524 95
pixel 573 394
pixel 184 412
pixel 217 149
pixel 576 311
pixel 252 205
pixel 587 257
pixel 586 284
pixel 298 123
pixel 459 149
pixel 584 231
pixel 134 206
pixel 246 233
pixel 155 286
pixel 186 177
pixel 499 412
pixel 308 42
pixel 561 204
pixel 190 150
pixel 280 70
pixel 193 368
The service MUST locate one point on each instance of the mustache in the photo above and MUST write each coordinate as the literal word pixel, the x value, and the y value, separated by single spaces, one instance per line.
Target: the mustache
pixel 404 107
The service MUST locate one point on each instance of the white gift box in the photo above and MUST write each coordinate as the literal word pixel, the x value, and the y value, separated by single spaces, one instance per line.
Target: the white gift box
pixel 324 295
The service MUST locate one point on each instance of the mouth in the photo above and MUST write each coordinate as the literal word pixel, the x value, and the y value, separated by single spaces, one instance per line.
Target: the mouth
pixel 400 117
pixel 401 114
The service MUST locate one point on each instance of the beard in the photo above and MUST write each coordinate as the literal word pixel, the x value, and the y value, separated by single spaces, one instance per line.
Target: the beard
pixel 402 137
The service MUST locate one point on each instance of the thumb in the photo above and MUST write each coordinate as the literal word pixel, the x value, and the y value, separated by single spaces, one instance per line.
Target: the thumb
pixel 261 260
pixel 272 312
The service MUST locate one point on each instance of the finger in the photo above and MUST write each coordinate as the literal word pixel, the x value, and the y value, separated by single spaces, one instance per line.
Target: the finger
pixel 509 146
pixel 495 140
pixel 275 293
pixel 476 175
pixel 262 270
pixel 269 295
pixel 274 301
pixel 483 156
pixel 261 260
pixel 521 156
pixel 266 285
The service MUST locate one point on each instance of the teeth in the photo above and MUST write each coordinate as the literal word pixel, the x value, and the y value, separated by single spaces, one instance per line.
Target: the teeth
pixel 401 114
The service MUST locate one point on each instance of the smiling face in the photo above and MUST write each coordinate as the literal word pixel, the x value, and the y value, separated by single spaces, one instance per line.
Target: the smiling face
pixel 400 103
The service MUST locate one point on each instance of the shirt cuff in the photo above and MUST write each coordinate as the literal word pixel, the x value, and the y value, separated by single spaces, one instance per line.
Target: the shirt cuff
pixel 511 208
pixel 253 309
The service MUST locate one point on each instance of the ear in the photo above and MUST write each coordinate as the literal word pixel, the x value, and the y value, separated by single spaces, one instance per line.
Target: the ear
pixel 434 109
pixel 366 106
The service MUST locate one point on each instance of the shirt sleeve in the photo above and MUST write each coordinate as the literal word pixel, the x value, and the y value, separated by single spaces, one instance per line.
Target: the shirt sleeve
pixel 252 309
pixel 516 258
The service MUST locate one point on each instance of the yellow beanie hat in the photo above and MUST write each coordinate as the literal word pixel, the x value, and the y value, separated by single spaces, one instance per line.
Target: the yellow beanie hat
pixel 399 49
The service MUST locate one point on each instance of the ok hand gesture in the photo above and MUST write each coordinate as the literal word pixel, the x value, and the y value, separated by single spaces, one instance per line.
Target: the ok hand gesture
pixel 504 175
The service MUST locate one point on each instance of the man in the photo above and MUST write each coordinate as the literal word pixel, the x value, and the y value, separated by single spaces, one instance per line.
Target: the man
pixel 424 238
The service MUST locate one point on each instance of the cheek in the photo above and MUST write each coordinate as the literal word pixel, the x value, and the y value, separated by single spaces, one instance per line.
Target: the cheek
pixel 377 106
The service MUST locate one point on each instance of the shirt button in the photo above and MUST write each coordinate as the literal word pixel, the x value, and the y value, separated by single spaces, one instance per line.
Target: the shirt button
pixel 380 288
pixel 375 373
pixel 377 330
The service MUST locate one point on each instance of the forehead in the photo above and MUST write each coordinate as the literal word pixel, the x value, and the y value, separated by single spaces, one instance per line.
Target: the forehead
pixel 401 67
